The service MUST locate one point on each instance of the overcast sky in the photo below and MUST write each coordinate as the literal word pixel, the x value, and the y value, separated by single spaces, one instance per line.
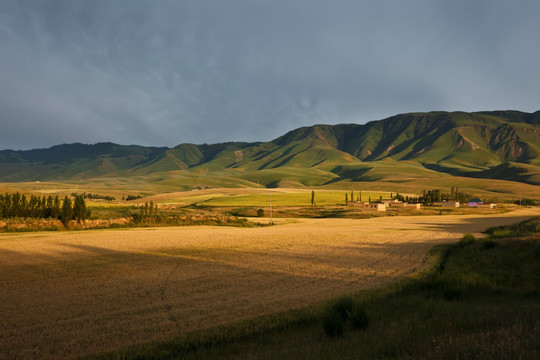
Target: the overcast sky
pixel 167 72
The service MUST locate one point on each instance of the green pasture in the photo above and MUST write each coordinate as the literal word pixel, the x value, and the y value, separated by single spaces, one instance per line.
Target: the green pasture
pixel 406 177
pixel 322 198
pixel 189 200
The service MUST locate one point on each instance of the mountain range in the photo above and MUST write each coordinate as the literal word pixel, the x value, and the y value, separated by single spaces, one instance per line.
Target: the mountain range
pixel 494 145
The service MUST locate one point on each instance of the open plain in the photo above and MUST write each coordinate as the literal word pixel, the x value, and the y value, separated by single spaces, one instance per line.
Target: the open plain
pixel 75 293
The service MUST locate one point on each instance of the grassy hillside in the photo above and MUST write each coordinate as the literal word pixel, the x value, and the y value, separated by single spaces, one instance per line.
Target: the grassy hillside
pixel 493 145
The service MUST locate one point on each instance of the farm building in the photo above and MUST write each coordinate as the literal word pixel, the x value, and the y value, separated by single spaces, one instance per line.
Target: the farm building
pixel 397 203
pixel 368 206
pixel 474 202
pixel 375 207
pixel 446 203
pixel 413 206
pixel 394 203
pixel 488 205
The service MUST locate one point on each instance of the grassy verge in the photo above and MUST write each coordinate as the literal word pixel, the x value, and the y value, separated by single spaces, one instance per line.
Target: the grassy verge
pixel 478 302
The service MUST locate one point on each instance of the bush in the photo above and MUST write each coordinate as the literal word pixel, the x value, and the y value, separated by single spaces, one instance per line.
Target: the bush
pixel 467 239
pixel 344 307
pixel 133 197
pixel 527 227
pixel 525 202
pixel 452 293
pixel 333 324
pixel 344 311
pixel 260 213
pixel 488 243
pixel 359 318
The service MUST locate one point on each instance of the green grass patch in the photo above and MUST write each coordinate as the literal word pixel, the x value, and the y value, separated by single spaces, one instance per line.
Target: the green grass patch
pixel 524 228
pixel 322 198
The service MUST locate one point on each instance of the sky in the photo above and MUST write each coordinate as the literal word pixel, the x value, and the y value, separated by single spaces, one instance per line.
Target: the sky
pixel 162 73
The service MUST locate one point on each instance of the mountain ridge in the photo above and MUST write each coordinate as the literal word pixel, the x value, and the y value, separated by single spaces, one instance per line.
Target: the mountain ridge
pixel 493 144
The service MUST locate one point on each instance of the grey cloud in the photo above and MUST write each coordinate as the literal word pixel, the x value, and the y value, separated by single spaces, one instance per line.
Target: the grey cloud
pixel 163 73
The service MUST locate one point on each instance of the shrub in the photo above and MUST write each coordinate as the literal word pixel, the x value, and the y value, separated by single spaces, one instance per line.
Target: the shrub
pixel 359 318
pixel 452 293
pixel 260 212
pixel 527 227
pixel 133 197
pixel 467 239
pixel 344 311
pixel 344 307
pixel 488 243
pixel 333 323
pixel 536 248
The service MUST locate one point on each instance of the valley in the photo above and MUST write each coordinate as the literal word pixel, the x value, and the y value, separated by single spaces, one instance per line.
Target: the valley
pixel 210 241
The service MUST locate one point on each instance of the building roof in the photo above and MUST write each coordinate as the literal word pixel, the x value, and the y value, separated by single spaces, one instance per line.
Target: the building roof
pixel 476 200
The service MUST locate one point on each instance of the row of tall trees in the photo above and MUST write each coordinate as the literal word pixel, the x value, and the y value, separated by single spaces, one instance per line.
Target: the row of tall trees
pixel 148 213
pixel 94 196
pixel 430 196
pixel 43 207
pixel 358 197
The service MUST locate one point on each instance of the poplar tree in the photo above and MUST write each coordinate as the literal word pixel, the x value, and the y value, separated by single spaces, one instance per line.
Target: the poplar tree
pixel 67 211
pixel 55 209
pixel 79 209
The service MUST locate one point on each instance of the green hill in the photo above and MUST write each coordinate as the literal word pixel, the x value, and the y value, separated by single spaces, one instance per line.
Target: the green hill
pixel 494 145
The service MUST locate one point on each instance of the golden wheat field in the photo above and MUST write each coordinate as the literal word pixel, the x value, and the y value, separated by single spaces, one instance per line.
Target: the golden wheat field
pixel 74 293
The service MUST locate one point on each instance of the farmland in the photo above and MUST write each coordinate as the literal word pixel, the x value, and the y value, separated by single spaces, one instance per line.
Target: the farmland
pixel 75 293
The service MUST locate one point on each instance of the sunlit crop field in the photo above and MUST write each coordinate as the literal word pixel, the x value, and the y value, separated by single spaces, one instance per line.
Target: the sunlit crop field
pixel 74 293
pixel 294 199
pixel 263 197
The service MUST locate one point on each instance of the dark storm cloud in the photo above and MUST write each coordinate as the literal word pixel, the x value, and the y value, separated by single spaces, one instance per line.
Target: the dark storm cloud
pixel 168 72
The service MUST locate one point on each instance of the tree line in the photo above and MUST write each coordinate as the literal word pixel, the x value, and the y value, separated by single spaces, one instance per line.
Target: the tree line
pixel 18 205
pixel 430 196
pixel 148 213
pixel 94 196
